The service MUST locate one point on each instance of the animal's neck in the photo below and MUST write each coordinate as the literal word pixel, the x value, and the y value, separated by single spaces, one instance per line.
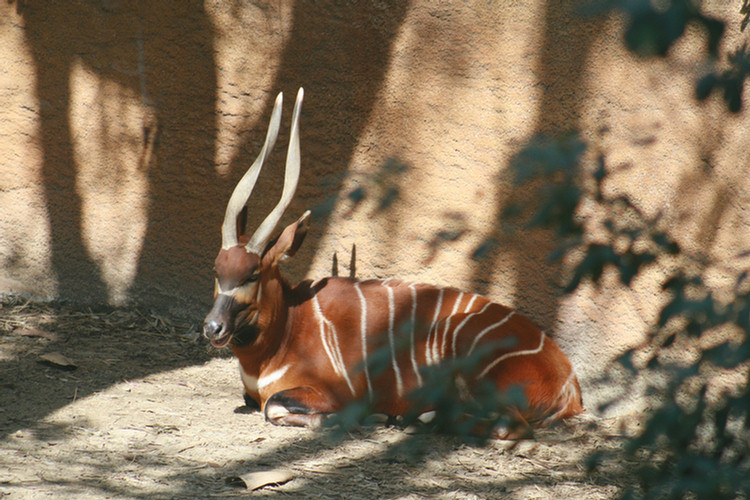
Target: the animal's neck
pixel 278 297
pixel 274 313
pixel 266 335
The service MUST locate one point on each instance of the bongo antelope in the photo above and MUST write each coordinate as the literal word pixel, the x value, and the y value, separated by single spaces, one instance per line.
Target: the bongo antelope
pixel 303 350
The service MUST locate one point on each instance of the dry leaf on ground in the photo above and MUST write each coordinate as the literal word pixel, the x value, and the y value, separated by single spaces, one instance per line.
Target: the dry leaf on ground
pixel 259 479
pixel 58 361
pixel 33 332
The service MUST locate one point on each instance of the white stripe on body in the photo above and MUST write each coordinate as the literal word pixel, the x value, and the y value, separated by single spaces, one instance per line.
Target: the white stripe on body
pixel 330 341
pixel 427 354
pixel 448 325
pixel 471 303
pixel 251 383
pixel 457 330
pixel 363 336
pixel 392 341
pixel 256 384
pixel 414 364
pixel 487 330
pixel 512 355
pixel 567 392
pixel 272 377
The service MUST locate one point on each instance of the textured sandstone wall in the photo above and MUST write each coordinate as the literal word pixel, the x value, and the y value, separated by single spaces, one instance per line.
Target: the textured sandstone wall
pixel 449 90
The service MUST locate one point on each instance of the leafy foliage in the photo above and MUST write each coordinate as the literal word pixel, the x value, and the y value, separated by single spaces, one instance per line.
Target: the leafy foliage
pixel 557 163
pixel 693 445
pixel 653 27
pixel 729 82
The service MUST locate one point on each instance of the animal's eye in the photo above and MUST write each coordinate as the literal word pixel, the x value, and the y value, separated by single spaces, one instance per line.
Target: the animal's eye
pixel 253 278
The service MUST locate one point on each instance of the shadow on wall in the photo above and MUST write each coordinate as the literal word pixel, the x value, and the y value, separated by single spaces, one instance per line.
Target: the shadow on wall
pixel 338 52
pixel 567 36
pixel 509 248
pixel 177 81
pixel 571 27
pixel 333 49
pixel 184 186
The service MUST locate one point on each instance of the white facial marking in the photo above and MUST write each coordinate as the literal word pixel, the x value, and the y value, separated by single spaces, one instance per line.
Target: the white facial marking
pixel 232 291
pixel 228 293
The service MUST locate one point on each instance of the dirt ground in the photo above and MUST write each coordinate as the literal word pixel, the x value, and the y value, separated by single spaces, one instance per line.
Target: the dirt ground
pixel 124 404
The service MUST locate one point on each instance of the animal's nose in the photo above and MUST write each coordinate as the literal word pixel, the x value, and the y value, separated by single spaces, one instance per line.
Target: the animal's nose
pixel 212 329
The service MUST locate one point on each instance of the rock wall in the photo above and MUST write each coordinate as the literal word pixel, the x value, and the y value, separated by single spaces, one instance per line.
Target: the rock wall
pixel 126 125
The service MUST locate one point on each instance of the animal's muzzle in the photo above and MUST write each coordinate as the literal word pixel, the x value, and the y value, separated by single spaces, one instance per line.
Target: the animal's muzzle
pixel 216 326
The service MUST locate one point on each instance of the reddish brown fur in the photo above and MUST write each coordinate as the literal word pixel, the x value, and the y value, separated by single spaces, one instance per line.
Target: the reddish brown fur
pixel 296 358
pixel 304 350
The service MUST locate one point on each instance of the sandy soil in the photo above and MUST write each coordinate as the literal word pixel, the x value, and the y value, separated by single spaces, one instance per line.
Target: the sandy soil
pixel 147 411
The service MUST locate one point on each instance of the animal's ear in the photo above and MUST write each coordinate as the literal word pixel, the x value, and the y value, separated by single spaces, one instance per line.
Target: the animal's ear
pixel 289 241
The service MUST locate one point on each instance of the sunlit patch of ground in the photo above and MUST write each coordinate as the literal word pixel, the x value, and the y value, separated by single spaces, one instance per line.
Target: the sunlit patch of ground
pixel 149 412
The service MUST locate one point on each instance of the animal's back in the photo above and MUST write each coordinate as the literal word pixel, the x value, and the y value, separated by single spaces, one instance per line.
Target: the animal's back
pixel 380 335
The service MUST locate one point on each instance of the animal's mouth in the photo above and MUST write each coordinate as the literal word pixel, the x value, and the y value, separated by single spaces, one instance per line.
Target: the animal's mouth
pixel 239 335
pixel 223 341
